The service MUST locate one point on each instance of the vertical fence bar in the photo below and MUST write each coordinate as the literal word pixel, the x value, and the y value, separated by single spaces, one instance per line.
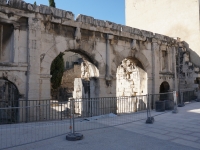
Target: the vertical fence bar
pixel 61 109
pixel 150 119
pixel 73 111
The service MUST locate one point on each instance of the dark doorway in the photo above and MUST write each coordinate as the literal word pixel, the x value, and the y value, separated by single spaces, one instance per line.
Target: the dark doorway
pixel 164 88
pixel 9 96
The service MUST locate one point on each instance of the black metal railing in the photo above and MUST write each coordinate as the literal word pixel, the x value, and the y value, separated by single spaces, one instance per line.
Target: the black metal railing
pixel 33 111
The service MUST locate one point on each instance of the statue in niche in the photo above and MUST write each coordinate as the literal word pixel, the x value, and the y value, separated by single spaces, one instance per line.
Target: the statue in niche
pixel 84 71
pixel 164 60
pixel 131 67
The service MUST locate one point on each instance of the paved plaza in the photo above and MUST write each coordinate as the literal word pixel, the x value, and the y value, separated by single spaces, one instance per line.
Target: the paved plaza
pixel 179 131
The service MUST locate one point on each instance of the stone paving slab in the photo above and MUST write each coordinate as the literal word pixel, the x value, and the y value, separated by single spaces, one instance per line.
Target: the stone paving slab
pixel 113 138
pixel 187 143
pixel 183 136
pixel 196 134
pixel 169 131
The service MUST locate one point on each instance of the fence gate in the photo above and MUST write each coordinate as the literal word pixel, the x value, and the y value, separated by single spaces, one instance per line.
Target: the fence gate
pixel 8 99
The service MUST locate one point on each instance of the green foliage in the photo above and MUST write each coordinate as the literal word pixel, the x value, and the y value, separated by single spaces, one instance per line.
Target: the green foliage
pixel 52 3
pixel 57 69
pixel 35 3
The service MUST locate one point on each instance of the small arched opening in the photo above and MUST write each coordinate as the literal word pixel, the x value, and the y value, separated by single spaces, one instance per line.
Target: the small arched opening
pixel 164 88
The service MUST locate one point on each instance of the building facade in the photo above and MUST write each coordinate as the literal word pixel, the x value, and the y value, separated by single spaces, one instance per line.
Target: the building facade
pixel 174 18
pixel 117 60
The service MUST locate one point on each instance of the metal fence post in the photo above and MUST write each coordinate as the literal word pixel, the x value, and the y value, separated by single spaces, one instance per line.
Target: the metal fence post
pixel 72 136
pixel 150 119
pixel 175 102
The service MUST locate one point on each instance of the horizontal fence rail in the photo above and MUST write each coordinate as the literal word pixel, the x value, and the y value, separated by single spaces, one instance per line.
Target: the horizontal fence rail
pixel 162 102
pixel 33 110
pixel 97 113
pixel 23 122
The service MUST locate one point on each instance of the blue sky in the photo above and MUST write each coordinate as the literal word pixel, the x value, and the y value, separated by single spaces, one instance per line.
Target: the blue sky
pixel 111 10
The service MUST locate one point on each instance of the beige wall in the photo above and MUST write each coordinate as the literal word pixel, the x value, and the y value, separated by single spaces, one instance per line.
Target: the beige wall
pixel 174 18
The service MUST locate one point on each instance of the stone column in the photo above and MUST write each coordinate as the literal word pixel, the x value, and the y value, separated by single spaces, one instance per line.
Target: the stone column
pixel 168 59
pixel 108 57
pixel 15 52
pixel 34 47
pixel 174 68
pixel 153 47
pixel 33 58
pixel 45 86
pixel 33 70
pixel 160 58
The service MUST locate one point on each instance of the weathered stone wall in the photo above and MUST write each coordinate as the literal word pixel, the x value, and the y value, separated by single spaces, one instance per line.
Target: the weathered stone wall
pixel 69 76
pixel 41 33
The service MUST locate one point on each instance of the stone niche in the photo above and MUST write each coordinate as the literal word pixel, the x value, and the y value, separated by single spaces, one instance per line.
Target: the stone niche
pixel 131 85
pixel 131 78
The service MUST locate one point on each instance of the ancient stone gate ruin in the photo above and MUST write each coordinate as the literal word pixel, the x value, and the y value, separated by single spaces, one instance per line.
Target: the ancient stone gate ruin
pixel 32 36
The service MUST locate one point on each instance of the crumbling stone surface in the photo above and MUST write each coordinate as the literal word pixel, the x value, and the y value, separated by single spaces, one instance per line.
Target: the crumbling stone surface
pixel 39 33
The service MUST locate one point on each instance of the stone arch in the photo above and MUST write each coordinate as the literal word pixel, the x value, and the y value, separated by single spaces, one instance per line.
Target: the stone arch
pixel 15 80
pixel 9 97
pixel 131 78
pixel 62 45
pixel 164 87
pixel 46 59
pixel 10 82
pixel 139 56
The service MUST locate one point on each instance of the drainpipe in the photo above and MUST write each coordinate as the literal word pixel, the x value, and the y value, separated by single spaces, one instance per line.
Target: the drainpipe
pixel 108 57
pixel 27 72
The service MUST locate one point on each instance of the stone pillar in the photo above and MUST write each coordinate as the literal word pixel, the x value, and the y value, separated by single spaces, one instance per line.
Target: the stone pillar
pixel 45 86
pixel 108 57
pixel 94 87
pixel 168 58
pixel 153 47
pixel 107 89
pixel 33 69
pixel 34 47
pixel 15 52
pixel 160 58
pixel 174 68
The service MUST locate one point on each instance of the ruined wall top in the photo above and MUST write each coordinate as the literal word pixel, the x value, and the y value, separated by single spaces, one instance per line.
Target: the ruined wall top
pixel 58 13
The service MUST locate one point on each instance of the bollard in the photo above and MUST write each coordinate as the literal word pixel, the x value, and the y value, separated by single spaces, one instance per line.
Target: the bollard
pixel 73 136
pixel 175 102
pixel 182 103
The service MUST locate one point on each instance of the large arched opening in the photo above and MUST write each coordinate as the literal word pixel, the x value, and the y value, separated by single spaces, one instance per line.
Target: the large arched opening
pixel 79 71
pixel 131 78
pixel 9 101
pixel 79 80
